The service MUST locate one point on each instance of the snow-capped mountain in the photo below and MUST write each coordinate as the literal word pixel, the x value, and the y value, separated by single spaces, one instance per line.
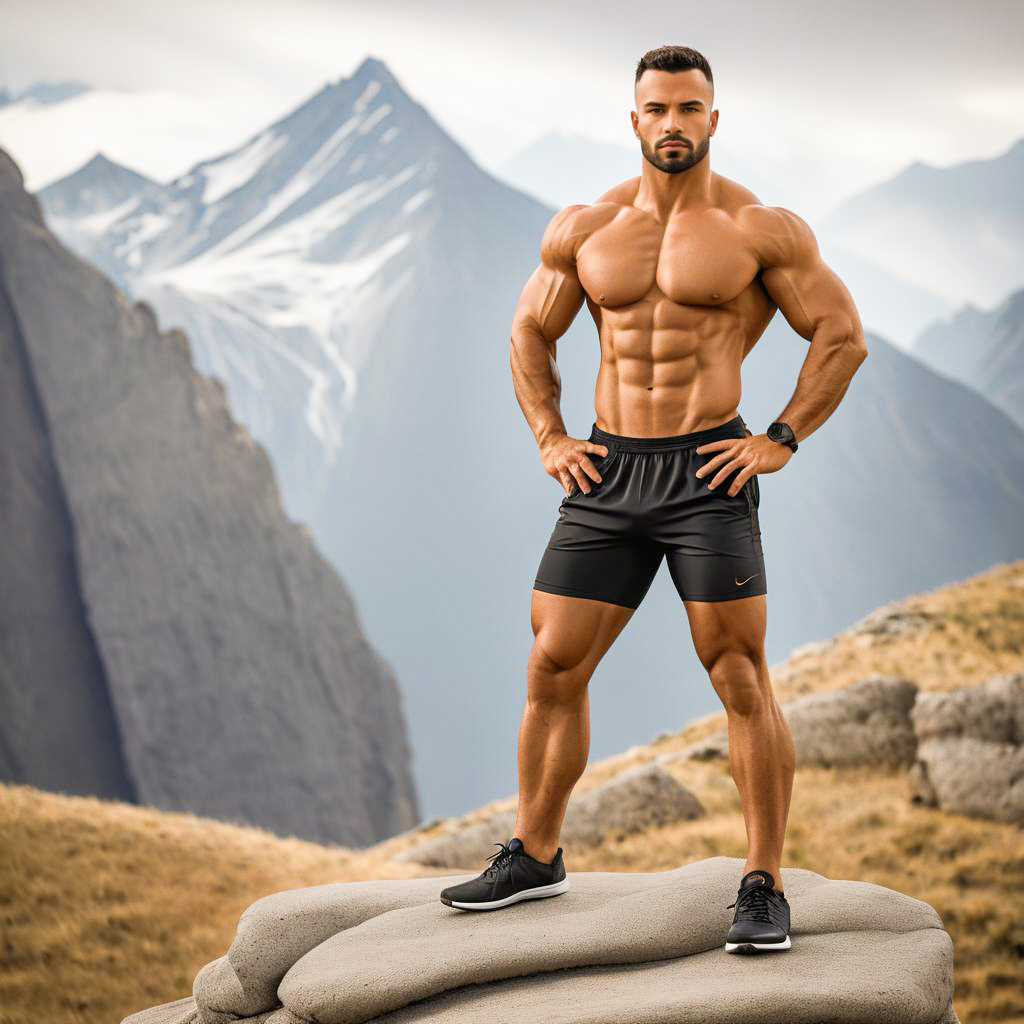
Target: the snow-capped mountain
pixel 280 259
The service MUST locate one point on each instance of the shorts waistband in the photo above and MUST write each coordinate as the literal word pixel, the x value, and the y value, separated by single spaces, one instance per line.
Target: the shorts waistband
pixel 736 427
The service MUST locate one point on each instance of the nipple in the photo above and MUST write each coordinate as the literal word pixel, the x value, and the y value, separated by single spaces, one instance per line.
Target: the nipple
pixel 715 295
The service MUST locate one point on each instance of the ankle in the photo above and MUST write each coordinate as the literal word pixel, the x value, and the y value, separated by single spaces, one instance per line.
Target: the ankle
pixel 540 853
pixel 775 875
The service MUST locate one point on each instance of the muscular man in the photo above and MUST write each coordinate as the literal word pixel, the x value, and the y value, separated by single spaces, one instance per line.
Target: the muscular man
pixel 682 270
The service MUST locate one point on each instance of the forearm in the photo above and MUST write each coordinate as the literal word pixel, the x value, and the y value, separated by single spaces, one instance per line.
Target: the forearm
pixel 831 362
pixel 537 383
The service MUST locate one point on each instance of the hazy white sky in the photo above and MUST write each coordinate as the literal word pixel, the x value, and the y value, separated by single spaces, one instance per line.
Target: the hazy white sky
pixel 860 89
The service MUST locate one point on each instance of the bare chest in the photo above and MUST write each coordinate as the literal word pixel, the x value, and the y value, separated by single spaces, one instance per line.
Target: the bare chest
pixel 697 259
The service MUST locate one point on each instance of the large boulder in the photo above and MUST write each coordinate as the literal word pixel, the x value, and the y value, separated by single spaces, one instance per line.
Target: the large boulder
pixel 639 798
pixel 867 722
pixel 617 946
pixel 970 757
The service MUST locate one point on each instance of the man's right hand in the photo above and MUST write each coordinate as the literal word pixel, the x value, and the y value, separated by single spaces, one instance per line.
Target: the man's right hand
pixel 567 459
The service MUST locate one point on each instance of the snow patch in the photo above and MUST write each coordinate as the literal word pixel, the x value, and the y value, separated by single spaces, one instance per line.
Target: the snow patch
pixel 371 90
pixel 374 119
pixel 231 173
pixel 416 201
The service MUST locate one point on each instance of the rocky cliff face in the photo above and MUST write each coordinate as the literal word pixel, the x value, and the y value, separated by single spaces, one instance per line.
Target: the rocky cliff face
pixel 166 633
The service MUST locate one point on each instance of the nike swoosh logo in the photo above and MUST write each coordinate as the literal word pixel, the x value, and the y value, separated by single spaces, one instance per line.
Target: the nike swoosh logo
pixel 739 583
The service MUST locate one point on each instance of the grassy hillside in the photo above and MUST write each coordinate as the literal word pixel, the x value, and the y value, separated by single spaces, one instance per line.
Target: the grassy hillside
pixel 107 908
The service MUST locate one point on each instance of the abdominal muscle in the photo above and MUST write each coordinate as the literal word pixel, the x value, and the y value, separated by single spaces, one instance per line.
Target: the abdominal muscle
pixel 668 369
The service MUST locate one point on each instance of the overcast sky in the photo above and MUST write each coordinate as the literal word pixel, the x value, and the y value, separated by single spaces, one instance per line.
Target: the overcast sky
pixel 857 89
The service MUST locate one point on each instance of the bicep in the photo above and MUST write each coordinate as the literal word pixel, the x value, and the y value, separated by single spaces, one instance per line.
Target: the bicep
pixel 800 283
pixel 553 295
pixel 550 301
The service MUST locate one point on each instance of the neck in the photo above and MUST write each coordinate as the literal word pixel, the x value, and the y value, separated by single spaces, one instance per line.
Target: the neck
pixel 663 194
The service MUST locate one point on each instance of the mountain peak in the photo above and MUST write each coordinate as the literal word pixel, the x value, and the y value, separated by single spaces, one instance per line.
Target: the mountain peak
pixel 372 67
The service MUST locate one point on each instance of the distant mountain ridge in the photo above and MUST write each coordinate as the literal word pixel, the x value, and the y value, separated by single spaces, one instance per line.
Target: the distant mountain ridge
pixel 955 230
pixel 982 348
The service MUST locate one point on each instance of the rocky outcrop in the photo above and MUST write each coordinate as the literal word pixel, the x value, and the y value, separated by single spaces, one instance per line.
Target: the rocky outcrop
pixel 158 604
pixel 867 722
pixel 618 946
pixel 637 799
pixel 970 755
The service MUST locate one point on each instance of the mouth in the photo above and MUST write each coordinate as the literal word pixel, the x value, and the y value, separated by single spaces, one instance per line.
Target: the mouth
pixel 673 145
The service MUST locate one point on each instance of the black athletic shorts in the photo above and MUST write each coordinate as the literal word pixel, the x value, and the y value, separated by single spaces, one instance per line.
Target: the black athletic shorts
pixel 607 545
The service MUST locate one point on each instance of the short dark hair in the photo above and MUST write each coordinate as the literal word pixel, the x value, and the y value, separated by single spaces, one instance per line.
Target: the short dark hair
pixel 673 58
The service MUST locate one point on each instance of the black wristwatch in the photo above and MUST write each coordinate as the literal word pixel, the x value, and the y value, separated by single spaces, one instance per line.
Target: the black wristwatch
pixel 783 433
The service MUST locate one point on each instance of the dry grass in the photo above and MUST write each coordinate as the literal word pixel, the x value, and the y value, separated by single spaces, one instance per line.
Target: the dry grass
pixel 107 908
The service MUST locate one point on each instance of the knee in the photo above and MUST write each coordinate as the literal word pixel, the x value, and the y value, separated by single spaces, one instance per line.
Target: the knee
pixel 741 682
pixel 557 672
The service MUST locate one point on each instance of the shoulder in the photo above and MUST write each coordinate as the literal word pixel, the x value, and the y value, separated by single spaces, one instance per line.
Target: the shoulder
pixel 570 228
pixel 779 236
pixel 622 194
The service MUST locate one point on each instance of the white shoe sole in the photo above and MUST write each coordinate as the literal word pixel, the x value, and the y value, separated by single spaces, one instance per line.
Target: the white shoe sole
pixel 751 947
pixel 525 894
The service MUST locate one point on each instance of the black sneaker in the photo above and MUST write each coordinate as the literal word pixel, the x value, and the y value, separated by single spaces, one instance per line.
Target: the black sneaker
pixel 513 876
pixel 762 916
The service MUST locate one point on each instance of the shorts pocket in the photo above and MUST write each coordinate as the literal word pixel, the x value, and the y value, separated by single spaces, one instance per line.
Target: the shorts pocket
pixel 753 493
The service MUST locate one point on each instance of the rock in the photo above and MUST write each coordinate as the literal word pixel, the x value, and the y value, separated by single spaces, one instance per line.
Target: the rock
pixel 892 620
pixel 970 757
pixel 711 748
pixel 992 711
pixel 632 801
pixel 867 722
pixel 637 799
pixel 466 846
pixel 618 946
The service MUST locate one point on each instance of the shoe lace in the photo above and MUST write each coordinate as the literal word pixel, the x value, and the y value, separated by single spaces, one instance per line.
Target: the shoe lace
pixel 501 859
pixel 753 902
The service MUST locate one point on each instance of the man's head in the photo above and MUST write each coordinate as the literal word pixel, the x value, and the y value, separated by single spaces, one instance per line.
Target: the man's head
pixel 674 93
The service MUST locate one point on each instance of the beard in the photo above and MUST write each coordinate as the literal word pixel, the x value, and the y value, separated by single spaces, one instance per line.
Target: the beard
pixel 672 161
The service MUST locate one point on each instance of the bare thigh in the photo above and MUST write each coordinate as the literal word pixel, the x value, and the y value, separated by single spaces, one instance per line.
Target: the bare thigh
pixel 572 634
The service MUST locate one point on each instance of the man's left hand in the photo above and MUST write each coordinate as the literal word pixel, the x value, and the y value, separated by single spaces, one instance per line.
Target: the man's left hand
pixel 757 453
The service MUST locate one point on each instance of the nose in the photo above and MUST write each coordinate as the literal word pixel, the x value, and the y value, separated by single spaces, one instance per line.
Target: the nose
pixel 674 128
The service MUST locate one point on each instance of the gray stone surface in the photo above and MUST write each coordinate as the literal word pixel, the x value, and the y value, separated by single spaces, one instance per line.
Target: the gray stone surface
pixel 618 946
pixel 210 631
pixel 639 798
pixel 867 722
pixel 970 757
